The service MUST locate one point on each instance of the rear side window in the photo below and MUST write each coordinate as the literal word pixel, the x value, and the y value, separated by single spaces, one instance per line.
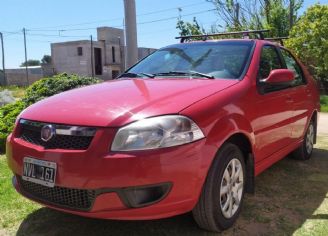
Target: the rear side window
pixel 292 64
pixel 269 61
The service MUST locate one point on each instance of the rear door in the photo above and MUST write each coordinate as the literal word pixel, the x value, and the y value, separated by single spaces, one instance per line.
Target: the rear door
pixel 301 96
pixel 272 108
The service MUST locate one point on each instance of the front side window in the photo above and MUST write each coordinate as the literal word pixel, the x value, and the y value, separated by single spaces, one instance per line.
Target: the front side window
pixel 226 60
pixel 269 61
pixel 292 64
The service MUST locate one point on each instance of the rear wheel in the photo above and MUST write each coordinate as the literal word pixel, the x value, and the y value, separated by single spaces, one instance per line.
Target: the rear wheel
pixel 222 196
pixel 304 152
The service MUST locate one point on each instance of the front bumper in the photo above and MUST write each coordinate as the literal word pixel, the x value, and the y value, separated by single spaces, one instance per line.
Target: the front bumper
pixel 117 178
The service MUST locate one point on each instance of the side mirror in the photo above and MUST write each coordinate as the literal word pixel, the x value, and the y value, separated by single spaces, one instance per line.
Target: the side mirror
pixel 279 76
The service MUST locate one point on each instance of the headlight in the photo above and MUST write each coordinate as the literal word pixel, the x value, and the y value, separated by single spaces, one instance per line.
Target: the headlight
pixel 157 132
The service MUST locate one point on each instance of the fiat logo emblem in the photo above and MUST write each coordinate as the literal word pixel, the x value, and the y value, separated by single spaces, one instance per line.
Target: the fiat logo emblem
pixel 47 132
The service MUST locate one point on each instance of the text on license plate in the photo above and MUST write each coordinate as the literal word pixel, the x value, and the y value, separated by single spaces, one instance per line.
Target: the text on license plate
pixel 39 171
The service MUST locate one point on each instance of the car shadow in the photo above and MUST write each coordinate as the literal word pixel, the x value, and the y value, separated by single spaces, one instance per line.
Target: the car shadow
pixel 286 196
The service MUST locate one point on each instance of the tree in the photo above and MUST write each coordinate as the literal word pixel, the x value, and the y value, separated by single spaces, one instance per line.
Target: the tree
pixel 46 59
pixel 187 28
pixel 31 62
pixel 276 15
pixel 309 41
pixel 281 16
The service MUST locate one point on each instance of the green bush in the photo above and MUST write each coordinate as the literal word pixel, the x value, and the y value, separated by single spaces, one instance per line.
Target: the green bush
pixel 324 103
pixel 37 91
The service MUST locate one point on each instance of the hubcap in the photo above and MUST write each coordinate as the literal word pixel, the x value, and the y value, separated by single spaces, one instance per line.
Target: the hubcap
pixel 231 190
pixel 309 139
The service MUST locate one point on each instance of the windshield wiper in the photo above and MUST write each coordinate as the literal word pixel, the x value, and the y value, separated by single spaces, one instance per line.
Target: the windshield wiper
pixel 186 73
pixel 134 75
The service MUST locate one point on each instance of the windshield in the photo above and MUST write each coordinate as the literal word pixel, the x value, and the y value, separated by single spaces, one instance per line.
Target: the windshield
pixel 224 59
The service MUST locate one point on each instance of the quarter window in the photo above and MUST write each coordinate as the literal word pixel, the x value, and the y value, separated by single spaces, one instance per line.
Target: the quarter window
pixel 269 61
pixel 292 64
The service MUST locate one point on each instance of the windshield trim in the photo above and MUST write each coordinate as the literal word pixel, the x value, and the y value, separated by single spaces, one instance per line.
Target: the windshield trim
pixel 248 62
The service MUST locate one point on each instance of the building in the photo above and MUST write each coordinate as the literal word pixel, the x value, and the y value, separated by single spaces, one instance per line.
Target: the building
pixel 106 60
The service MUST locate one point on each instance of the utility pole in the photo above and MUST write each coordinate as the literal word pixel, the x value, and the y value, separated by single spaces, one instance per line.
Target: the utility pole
pixel 131 32
pixel 91 52
pixel 3 59
pixel 26 69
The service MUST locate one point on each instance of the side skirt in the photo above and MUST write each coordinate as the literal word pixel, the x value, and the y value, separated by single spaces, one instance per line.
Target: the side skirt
pixel 269 161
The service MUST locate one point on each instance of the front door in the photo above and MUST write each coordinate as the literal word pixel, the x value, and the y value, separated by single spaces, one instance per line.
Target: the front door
pixel 273 109
pixel 302 97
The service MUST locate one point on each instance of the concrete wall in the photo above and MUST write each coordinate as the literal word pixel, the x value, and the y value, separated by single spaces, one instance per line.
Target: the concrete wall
pixel 111 35
pixel 48 70
pixel 65 57
pixel 17 76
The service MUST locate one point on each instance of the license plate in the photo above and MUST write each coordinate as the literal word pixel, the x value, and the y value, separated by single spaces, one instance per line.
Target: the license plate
pixel 39 172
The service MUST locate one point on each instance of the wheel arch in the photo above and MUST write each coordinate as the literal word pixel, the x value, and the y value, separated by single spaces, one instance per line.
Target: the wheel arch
pixel 237 130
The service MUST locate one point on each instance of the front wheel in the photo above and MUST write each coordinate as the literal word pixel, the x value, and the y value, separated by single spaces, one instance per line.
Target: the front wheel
pixel 304 152
pixel 222 196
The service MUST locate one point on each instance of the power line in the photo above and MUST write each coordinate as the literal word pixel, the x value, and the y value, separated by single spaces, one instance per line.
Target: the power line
pixel 85 36
pixel 175 17
pixel 116 19
pixel 139 23
pixel 59 36
pixel 11 32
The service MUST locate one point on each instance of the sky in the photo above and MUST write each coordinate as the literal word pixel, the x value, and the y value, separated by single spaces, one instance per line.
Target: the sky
pixel 49 21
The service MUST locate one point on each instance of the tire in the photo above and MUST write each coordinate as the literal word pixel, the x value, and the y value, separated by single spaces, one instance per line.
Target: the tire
pixel 304 152
pixel 215 213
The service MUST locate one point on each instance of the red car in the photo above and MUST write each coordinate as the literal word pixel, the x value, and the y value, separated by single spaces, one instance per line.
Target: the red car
pixel 186 129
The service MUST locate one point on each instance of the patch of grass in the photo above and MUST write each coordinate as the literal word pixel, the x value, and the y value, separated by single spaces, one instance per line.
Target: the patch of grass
pixel 324 103
pixel 291 198
pixel 18 92
pixel 13 207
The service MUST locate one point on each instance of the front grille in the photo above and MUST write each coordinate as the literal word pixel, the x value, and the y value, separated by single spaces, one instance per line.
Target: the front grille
pixel 31 132
pixel 76 199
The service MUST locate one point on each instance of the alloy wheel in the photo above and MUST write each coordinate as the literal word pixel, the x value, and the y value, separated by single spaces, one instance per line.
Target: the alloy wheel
pixel 309 139
pixel 231 189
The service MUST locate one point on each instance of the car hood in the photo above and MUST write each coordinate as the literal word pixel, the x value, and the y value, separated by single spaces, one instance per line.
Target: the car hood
pixel 115 103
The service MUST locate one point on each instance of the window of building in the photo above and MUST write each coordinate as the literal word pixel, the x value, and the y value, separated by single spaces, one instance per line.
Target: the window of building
pixel 79 51
pixel 113 54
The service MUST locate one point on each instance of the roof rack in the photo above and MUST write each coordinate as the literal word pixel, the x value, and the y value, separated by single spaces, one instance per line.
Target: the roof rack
pixel 204 37
pixel 280 39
